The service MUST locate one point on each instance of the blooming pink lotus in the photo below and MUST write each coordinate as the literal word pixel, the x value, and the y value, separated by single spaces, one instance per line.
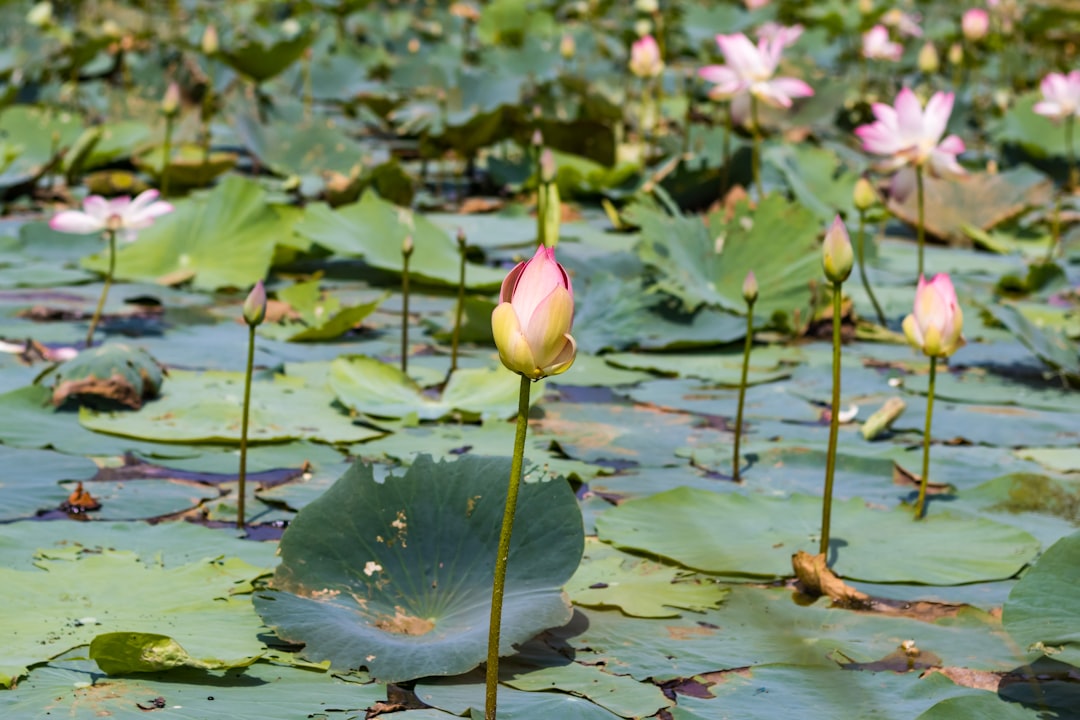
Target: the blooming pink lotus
pixel 909 135
pixel 876 45
pixel 1061 95
pixel 750 69
pixel 935 325
pixel 532 322
pixel 120 214
pixel 975 24
pixel 645 60
pixel 782 34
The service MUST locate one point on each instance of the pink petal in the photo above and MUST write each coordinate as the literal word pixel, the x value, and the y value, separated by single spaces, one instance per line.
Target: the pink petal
pixel 937 114
pixel 76 221
pixel 909 116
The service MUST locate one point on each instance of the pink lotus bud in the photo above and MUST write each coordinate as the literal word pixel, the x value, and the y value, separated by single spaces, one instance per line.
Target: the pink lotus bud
pixel 937 322
pixel 864 196
pixel 532 322
pixel 210 44
pixel 645 60
pixel 750 288
pixel 170 102
pixel 837 256
pixel 255 305
pixel 975 24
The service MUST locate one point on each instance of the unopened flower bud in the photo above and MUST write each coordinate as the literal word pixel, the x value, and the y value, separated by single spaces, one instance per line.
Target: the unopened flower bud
pixel 956 54
pixel 547 166
pixel 929 63
pixel 750 288
pixel 837 256
pixel 975 24
pixel 537 139
pixel 567 47
pixel 255 305
pixel 937 322
pixel 461 239
pixel 866 6
pixel 647 6
pixel 210 45
pixel 864 196
pixel 170 102
pixel 41 15
pixel 407 246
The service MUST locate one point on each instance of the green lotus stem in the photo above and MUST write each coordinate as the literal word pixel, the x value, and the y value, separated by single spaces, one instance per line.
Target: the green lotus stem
pixel 460 309
pixel 646 99
pixel 308 94
pixel 499 584
pixel 920 504
pixel 1055 230
pixel 921 228
pixel 755 156
pixel 207 113
pixel 1070 153
pixel 742 387
pixel 111 234
pixel 240 517
pixel 861 240
pixel 406 253
pixel 834 420
pixel 729 127
pixel 166 156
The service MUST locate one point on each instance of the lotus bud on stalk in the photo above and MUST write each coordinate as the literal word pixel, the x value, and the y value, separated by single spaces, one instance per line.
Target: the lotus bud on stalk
pixel 836 261
pixel 406 253
pixel 864 197
pixel 531 326
pixel 254 313
pixel 928 61
pixel 567 47
pixel 209 43
pixel 935 327
pixel 975 24
pixel 210 47
pixel 750 295
pixel 548 205
pixel 170 108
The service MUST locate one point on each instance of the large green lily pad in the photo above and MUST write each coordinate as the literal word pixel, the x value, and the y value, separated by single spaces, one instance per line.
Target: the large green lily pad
pixel 77 599
pixel 396 576
pixel 207 408
pixel 722 533
pixel 1043 610
pixel 31 480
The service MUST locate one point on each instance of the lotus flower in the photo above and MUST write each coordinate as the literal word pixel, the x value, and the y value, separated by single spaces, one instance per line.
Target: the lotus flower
pixel 935 325
pixel 1061 95
pixel 908 24
pixel 876 45
pixel 975 24
pixel 119 215
pixel 645 60
pixel 782 34
pixel 750 68
pixel 532 322
pixel 909 135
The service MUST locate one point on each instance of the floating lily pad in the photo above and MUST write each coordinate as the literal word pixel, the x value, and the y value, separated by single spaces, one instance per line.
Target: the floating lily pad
pixel 31 480
pixel 396 576
pixel 1050 345
pixel 207 408
pixel 76 600
pixel 1043 610
pixel 867 544
pixel 382 390
pixel 321 317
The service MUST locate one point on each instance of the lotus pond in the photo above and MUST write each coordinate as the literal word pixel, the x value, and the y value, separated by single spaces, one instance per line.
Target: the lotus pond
pixel 379 167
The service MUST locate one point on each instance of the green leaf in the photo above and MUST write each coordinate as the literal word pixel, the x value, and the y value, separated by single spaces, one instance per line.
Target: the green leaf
pixel 31 480
pixel 705 263
pixel 381 390
pixel 1039 136
pixel 1048 344
pixel 816 178
pixel 396 576
pixel 374 229
pixel 207 408
pixel 260 54
pixel 74 601
pixel 119 653
pixel 867 544
pixel 637 586
pixel 323 316
pixel 114 372
pixel 1043 610
pixel 224 240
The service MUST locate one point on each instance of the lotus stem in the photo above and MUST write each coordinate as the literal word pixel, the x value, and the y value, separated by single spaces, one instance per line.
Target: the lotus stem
pixel 729 127
pixel 242 479
pixel 499 584
pixel 755 156
pixel 921 228
pixel 920 504
pixel 834 420
pixel 742 387
pixel 861 240
pixel 406 253
pixel 1070 153
pixel 460 309
pixel 308 94
pixel 166 156
pixel 111 234
pixel 207 113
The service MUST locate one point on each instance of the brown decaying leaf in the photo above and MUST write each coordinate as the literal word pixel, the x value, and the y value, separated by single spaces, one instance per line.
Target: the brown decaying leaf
pixel 906 478
pixel 816 579
pixel 480 205
pixel 115 388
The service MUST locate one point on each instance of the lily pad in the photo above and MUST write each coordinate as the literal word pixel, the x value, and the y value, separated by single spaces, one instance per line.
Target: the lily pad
pixel 867 544
pixel 31 480
pixel 396 576
pixel 1043 610
pixel 381 390
pixel 225 240
pixel 207 407
pixel 76 600
pixel 1049 344
pixel 322 317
